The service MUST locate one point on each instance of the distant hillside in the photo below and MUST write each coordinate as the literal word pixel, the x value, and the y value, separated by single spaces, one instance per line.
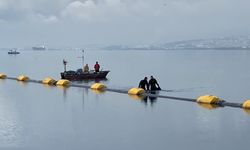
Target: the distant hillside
pixel 225 43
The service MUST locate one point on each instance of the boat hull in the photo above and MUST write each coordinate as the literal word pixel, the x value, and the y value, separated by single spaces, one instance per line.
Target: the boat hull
pixel 13 52
pixel 84 76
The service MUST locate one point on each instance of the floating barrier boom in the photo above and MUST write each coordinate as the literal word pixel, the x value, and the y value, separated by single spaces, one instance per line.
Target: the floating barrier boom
pixel 207 99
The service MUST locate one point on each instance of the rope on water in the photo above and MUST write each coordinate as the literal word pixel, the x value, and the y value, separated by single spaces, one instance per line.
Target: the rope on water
pixel 221 103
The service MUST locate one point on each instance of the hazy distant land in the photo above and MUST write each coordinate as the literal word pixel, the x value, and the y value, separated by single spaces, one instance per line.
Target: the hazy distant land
pixel 223 43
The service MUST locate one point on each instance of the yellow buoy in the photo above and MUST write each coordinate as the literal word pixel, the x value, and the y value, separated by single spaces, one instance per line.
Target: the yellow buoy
pixel 208 99
pixel 22 78
pixel 49 81
pixel 63 82
pixel 136 91
pixel 246 104
pixel 98 86
pixel 2 76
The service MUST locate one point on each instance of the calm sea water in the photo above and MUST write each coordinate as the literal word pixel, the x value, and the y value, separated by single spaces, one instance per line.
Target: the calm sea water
pixel 35 116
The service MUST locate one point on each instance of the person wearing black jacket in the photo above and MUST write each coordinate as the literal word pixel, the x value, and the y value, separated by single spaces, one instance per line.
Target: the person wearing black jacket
pixel 144 84
pixel 153 84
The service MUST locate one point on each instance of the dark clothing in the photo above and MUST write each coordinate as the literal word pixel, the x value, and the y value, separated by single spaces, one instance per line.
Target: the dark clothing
pixel 97 67
pixel 153 83
pixel 144 84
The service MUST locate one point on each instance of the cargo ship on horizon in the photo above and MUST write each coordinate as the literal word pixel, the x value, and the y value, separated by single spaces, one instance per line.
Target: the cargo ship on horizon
pixel 39 47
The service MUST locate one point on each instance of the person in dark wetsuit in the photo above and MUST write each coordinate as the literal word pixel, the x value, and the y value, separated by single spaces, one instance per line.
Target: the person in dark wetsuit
pixel 144 84
pixel 154 84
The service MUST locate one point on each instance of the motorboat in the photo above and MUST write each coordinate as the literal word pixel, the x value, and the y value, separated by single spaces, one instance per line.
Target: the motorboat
pixel 13 52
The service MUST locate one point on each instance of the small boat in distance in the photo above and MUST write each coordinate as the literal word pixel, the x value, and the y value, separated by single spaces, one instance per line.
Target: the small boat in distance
pixel 13 52
pixel 39 48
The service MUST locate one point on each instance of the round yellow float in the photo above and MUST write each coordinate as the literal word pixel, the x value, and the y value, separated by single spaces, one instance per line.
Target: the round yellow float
pixel 63 82
pixel 246 104
pixel 22 78
pixel 208 99
pixel 2 76
pixel 136 91
pixel 98 86
pixel 49 81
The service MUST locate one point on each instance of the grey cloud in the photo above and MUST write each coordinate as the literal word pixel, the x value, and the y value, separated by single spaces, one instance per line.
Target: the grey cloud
pixel 16 10
pixel 122 21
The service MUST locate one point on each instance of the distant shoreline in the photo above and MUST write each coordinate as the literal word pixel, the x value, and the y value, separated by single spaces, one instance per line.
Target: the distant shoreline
pixel 233 48
pixel 142 49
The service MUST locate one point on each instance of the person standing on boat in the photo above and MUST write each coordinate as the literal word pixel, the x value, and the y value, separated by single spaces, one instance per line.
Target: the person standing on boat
pixel 144 84
pixel 154 84
pixel 97 67
pixel 86 68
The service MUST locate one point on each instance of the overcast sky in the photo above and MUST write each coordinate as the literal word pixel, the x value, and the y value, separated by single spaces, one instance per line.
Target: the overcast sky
pixel 75 23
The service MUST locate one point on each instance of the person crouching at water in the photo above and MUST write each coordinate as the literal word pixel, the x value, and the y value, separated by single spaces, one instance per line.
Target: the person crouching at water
pixel 144 84
pixel 154 84
pixel 86 68
pixel 97 67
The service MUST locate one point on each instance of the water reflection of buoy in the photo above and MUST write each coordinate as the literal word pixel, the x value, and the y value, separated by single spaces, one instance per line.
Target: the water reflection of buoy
pixel 98 91
pixel 48 86
pixel 208 106
pixel 63 87
pixel 247 111
pixel 137 97
pixel 23 83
